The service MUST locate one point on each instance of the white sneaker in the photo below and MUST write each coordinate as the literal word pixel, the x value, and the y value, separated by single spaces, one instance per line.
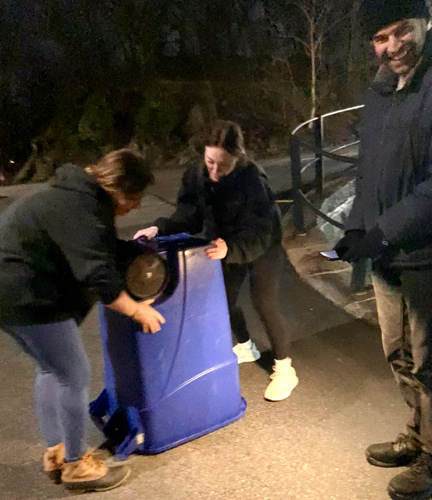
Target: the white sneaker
pixel 283 380
pixel 246 352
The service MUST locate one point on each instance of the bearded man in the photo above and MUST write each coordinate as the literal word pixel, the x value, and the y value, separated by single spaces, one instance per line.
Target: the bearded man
pixel 391 223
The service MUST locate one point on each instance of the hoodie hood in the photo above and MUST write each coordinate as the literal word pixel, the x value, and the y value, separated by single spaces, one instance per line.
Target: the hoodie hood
pixel 70 176
pixel 74 178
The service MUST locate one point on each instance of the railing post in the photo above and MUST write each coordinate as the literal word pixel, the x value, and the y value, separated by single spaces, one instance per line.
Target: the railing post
pixel 298 213
pixel 358 276
pixel 319 181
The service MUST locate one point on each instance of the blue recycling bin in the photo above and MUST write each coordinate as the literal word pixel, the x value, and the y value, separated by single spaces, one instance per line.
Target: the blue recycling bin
pixel 164 389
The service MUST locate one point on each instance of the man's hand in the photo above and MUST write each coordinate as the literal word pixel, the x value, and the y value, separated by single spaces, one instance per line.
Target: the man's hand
pixel 372 246
pixel 219 250
pixel 351 239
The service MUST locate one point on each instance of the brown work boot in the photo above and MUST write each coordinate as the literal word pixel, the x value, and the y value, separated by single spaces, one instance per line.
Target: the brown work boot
pixel 90 474
pixel 53 460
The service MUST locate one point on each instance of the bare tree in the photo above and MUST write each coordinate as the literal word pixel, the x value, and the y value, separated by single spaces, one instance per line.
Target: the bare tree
pixel 318 20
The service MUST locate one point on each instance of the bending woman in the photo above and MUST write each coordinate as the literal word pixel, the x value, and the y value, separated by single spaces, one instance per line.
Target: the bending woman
pixel 58 256
pixel 228 200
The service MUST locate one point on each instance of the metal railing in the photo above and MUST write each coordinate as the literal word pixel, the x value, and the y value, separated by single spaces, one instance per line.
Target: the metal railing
pixel 300 197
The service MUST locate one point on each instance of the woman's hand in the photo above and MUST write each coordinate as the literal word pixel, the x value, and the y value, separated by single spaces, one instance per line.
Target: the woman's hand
pixel 219 250
pixel 148 317
pixel 141 312
pixel 148 232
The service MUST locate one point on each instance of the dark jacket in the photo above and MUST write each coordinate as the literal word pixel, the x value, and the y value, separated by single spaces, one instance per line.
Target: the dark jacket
pixel 394 184
pixel 240 208
pixel 58 251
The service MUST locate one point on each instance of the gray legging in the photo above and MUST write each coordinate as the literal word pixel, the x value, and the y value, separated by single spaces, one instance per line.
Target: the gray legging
pixel 62 382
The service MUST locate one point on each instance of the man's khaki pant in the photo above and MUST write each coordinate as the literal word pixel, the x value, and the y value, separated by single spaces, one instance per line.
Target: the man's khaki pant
pixel 404 303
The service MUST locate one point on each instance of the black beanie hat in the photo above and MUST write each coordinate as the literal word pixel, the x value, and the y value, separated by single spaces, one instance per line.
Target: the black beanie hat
pixel 378 14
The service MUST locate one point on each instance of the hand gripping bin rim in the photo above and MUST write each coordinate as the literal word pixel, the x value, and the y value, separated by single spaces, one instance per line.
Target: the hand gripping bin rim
pixel 182 382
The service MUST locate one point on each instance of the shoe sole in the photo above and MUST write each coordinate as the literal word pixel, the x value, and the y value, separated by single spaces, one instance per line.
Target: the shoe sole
pixel 284 396
pixel 83 488
pixel 54 476
pixel 240 361
pixel 397 496
pixel 377 463
pixel 248 360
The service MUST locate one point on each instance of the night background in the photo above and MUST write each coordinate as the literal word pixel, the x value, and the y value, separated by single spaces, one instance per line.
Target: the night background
pixel 81 77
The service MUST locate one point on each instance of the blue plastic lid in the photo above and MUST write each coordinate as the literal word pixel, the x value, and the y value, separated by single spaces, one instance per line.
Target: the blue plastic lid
pixel 173 242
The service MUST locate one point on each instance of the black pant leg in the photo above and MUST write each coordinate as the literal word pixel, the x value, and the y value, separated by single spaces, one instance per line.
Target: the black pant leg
pixel 265 277
pixel 234 275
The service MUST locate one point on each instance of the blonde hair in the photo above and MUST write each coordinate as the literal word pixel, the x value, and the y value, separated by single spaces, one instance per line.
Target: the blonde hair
pixel 124 171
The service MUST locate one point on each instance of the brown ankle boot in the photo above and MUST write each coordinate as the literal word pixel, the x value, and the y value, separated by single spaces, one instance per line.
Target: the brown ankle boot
pixel 53 459
pixel 90 474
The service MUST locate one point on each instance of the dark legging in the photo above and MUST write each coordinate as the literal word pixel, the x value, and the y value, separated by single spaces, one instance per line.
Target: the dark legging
pixel 62 382
pixel 264 276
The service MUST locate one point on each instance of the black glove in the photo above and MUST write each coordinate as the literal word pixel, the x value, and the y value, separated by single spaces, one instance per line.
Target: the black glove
pixel 351 239
pixel 373 245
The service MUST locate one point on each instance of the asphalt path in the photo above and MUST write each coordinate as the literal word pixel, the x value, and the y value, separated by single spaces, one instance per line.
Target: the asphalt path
pixel 309 446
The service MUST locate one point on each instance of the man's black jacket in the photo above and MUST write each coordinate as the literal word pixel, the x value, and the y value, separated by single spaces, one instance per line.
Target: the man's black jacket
pixel 394 184
pixel 58 251
pixel 240 208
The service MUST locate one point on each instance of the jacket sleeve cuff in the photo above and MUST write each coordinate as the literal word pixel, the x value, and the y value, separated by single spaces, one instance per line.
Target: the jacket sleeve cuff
pixel 376 238
pixel 395 230
pixel 108 289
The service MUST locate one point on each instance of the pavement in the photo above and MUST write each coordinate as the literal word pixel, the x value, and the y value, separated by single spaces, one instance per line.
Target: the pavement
pixel 332 279
pixel 306 447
